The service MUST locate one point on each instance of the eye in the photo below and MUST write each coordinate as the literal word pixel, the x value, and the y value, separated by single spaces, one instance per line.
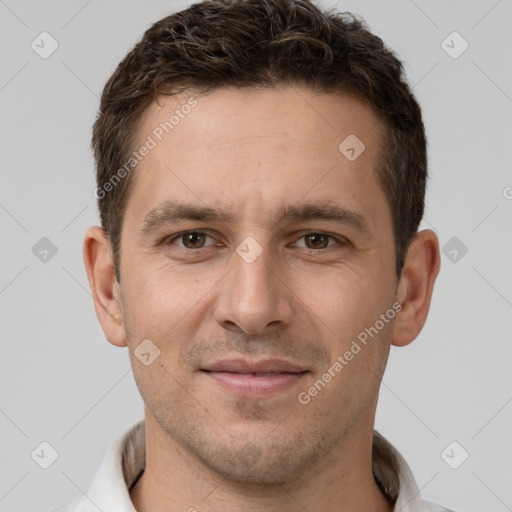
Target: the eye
pixel 318 241
pixel 190 240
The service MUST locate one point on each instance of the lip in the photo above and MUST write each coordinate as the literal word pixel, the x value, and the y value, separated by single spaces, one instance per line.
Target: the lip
pixel 258 378
pixel 245 367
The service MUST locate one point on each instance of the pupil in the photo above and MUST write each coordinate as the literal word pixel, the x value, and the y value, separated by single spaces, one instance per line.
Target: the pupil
pixel 317 240
pixel 194 239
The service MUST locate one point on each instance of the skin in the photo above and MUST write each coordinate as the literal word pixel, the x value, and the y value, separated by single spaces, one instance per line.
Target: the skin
pixel 303 299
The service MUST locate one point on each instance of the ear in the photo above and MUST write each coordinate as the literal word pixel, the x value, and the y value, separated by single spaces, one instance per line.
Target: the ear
pixel 105 289
pixel 415 288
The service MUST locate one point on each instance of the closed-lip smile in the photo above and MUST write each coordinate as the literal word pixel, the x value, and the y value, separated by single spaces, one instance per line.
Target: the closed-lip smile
pixel 244 377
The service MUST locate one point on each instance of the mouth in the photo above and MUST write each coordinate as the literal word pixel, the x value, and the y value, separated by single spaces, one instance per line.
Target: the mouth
pixel 261 378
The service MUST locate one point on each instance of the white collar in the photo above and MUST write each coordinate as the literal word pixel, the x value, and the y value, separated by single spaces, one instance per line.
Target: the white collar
pixel 125 461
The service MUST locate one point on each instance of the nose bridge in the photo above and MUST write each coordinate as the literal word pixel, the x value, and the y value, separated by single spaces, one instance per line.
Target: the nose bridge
pixel 254 297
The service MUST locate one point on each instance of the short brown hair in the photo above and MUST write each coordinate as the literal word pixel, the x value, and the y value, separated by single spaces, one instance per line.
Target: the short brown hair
pixel 258 43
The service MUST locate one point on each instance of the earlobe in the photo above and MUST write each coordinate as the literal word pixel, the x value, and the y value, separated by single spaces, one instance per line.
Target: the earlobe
pixel 104 287
pixel 416 285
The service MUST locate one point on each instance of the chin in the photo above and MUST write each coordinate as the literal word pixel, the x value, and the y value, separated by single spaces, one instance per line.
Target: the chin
pixel 262 463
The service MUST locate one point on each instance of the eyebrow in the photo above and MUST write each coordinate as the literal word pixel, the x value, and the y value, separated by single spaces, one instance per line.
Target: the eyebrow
pixel 324 211
pixel 170 212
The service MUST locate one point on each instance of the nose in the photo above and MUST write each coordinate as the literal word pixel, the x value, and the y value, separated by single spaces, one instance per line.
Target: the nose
pixel 255 297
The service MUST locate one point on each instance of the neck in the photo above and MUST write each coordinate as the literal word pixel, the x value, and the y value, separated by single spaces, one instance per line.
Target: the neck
pixel 175 479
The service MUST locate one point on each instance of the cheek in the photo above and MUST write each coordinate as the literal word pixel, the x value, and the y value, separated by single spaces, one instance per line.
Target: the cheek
pixel 358 353
pixel 161 386
pixel 166 298
pixel 342 305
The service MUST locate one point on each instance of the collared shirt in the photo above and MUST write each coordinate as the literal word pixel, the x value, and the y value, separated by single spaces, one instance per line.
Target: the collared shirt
pixel 125 461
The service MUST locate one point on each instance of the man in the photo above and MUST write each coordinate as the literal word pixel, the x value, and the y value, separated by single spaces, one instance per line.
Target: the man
pixel 261 172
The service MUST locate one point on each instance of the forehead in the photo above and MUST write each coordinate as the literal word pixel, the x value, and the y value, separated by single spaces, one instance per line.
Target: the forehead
pixel 250 150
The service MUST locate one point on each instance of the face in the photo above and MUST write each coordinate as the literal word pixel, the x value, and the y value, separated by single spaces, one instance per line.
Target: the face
pixel 254 253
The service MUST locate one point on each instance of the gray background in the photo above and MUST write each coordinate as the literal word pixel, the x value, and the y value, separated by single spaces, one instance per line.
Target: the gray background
pixel 63 383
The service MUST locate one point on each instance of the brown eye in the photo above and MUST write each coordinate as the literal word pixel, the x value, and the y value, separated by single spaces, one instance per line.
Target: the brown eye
pixel 316 241
pixel 193 240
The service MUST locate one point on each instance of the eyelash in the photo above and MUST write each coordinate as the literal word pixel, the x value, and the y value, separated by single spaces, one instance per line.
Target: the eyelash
pixel 171 240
